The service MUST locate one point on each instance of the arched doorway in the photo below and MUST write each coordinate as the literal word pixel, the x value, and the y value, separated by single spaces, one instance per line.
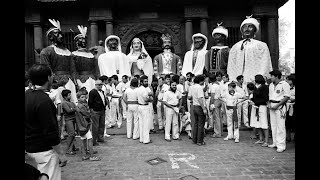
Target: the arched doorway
pixel 151 40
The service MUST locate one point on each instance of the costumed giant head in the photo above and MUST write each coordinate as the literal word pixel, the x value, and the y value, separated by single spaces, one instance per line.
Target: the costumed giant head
pixel 166 41
pixel 54 33
pixel 199 42
pixel 249 27
pixel 220 34
pixel 112 43
pixel 80 39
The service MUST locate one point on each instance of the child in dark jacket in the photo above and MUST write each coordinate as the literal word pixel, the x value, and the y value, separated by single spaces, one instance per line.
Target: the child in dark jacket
pixel 86 138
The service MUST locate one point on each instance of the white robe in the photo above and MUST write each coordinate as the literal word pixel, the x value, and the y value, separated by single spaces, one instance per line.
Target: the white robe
pixel 252 60
pixel 110 61
pixel 142 64
pixel 200 61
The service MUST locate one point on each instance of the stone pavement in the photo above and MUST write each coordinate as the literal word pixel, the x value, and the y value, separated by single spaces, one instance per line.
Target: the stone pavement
pixel 125 159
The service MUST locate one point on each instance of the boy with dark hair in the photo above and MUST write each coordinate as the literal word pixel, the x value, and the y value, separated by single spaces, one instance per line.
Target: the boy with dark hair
pixel 231 98
pixel 69 112
pixel 242 106
pixel 116 112
pixel 42 142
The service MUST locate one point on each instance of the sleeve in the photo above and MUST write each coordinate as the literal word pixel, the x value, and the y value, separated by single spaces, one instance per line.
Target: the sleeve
pixel 91 99
pixel 266 65
pixel 48 122
pixel 286 90
pixel 45 57
pixel 207 59
pixel 232 63
pixel 66 108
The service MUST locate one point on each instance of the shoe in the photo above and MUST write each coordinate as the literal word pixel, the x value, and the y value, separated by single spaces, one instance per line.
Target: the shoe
pixel 236 140
pixel 96 144
pixel 272 146
pixel 264 144
pixel 178 139
pixel 216 136
pixel 259 142
pixel 226 138
pixel 148 142
pixel 94 158
pixel 190 137
pixel 119 127
pixel 280 150
pixel 201 144
pixel 106 135
pixel 100 140
pixel 168 140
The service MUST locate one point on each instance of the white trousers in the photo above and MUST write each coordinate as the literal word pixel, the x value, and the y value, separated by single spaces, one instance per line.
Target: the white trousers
pixel 143 115
pixel 278 127
pixel 171 121
pixel 243 107
pixel 151 116
pixel 116 116
pixel 108 121
pixel 124 107
pixel 48 162
pixel 132 117
pixel 160 115
pixel 210 121
pixel 232 131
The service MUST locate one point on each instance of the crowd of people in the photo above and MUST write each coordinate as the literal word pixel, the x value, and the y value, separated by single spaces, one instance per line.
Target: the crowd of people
pixel 85 92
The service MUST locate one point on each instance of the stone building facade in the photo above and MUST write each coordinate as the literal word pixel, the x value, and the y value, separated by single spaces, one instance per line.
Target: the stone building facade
pixel 148 19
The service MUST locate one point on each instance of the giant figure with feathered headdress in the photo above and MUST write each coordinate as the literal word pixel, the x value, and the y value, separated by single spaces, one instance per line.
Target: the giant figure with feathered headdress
pixel 58 58
pixel 86 65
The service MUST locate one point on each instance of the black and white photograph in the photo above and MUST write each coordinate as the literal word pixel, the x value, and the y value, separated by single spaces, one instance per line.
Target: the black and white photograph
pixel 159 89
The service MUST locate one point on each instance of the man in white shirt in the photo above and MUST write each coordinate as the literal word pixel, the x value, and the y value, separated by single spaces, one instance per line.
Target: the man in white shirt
pixel 116 114
pixel 279 94
pixel 171 99
pixel 162 88
pixel 200 112
pixel 131 99
pixel 121 87
pixel 214 90
pixel 106 91
pixel 143 110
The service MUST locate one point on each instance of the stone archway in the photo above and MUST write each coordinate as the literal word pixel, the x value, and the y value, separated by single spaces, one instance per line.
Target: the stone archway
pixel 127 32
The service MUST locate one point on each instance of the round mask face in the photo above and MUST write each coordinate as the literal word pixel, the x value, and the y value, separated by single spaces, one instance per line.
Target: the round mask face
pixel 57 36
pixel 136 45
pixel 248 30
pixel 198 42
pixel 166 44
pixel 112 44
pixel 219 38
pixel 81 42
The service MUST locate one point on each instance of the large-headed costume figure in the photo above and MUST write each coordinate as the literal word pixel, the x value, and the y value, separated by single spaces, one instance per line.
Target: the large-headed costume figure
pixel 217 56
pixel 167 62
pixel 86 65
pixel 113 61
pixel 139 60
pixel 59 58
pixel 194 59
pixel 249 56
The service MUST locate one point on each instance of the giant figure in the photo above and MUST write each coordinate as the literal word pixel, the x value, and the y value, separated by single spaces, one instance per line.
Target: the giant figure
pixel 249 56
pixel 167 62
pixel 59 58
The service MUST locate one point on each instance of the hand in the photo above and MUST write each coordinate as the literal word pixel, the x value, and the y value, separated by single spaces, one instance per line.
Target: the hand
pixel 62 160
pixel 205 112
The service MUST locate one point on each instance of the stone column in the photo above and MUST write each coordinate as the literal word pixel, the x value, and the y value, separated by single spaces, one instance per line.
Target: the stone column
pixel 38 41
pixel 25 48
pixel 258 34
pixel 273 40
pixel 204 27
pixel 94 33
pixel 109 28
pixel 188 34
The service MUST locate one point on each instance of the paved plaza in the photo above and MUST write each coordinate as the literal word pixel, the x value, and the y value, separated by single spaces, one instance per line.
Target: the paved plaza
pixel 127 159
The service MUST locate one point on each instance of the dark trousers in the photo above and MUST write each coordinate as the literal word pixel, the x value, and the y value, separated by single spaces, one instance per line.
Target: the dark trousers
pixel 198 125
pixel 70 126
pixel 98 125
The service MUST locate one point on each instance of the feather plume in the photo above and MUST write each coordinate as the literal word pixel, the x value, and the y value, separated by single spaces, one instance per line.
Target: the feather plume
pixel 249 16
pixel 55 23
pixel 219 24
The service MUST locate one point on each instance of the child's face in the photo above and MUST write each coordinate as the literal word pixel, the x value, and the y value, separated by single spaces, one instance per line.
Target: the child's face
pixel 68 96
pixel 167 80
pixel 218 78
pixel 82 98
pixel 224 78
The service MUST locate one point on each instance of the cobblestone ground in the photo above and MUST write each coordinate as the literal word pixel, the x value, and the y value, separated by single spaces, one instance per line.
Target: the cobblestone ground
pixel 125 159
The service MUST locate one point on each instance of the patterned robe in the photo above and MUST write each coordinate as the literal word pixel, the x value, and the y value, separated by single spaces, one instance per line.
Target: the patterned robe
pixel 166 63
pixel 217 59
